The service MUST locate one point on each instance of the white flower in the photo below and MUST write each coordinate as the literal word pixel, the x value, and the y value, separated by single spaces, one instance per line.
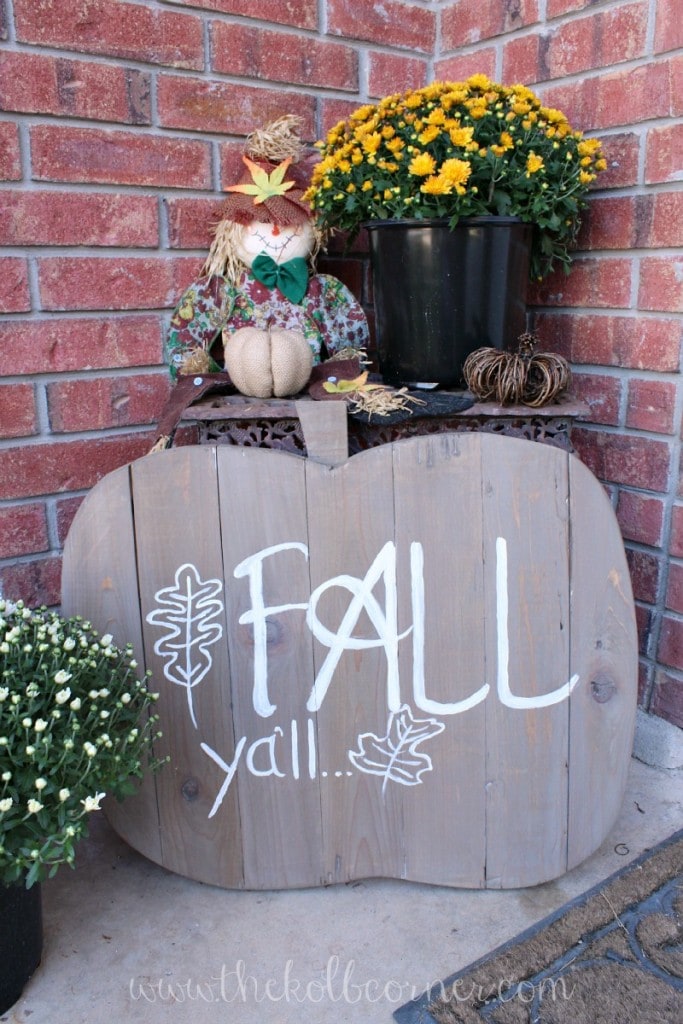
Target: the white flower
pixel 106 639
pixel 30 751
pixel 92 803
pixel 3 741
pixel 62 696
pixel 104 692
pixel 4 647
pixel 40 784
pixel 34 806
pixel 62 677
pixel 6 776
pixel 90 748
pixel 68 744
pixel 40 725
pixel 75 704
pixel 93 694
pixel 27 723
pixel 6 804
pixel 64 794
pixel 69 643
pixel 4 692
pixel 133 663
pixel 104 714
pixel 126 698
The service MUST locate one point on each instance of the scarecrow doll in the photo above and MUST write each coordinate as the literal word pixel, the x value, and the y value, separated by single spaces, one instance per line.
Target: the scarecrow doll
pixel 260 273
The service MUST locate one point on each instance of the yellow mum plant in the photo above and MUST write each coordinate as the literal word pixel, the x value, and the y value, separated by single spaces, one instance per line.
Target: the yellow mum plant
pixel 459 149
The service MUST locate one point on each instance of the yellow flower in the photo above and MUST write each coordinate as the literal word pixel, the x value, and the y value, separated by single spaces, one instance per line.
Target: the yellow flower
pixel 422 165
pixel 429 134
pixel 479 82
pixel 534 163
pixel 456 173
pixel 436 185
pixel 461 136
pixel 372 143
pixel 395 145
pixel 585 178
pixel 367 186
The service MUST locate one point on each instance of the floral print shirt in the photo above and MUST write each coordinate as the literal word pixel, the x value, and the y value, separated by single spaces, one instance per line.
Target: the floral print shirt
pixel 329 316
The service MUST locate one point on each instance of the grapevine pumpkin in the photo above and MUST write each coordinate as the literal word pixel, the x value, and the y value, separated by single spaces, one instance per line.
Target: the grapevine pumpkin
pixel 509 378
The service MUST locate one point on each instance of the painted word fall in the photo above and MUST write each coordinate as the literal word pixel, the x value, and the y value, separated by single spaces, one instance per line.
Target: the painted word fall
pixel 263 756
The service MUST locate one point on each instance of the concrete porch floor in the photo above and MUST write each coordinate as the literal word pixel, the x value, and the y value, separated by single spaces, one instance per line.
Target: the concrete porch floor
pixel 125 940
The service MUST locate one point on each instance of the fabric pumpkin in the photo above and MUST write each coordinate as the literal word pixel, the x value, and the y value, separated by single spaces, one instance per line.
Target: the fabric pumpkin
pixel 268 363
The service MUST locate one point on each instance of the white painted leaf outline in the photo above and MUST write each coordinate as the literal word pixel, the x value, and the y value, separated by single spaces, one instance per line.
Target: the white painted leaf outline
pixel 186 613
pixel 394 755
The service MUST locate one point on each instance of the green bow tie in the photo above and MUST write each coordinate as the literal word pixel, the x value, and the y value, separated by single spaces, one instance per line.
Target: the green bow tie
pixel 291 278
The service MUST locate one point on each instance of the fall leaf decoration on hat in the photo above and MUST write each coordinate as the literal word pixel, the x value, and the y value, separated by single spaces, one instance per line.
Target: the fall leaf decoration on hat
pixel 264 186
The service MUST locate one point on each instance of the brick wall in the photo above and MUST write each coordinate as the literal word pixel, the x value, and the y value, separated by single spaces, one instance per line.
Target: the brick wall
pixel 122 120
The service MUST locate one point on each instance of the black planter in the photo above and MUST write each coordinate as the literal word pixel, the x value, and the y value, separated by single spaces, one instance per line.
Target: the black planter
pixel 21 940
pixel 440 294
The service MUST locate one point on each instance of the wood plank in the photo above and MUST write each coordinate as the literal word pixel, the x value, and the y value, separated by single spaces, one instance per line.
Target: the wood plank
pixel 605 655
pixel 325 428
pixel 437 495
pixel 182 589
pixel 526 617
pixel 351 522
pixel 99 582
pixel 265 541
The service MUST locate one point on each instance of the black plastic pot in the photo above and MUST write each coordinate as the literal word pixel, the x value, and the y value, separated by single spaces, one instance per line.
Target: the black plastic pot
pixel 21 939
pixel 440 294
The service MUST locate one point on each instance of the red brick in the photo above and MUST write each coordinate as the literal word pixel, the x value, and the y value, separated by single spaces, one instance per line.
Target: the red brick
pixel 61 153
pixel 190 222
pixel 392 72
pixel 390 23
pixel 668 26
pixel 112 27
pixel 667 698
pixel 37 582
pixel 664 159
pixel 676 537
pixel 18 417
pixel 632 342
pixel 640 517
pixel 674 589
pixel 663 225
pixel 232 166
pixel 625 458
pixel 460 66
pixel 102 402
pixel 23 530
pixel 670 648
pixel 60 344
pixel 250 52
pixel 599 40
pixel 75 218
pixel 522 60
pixel 651 406
pixel 10 156
pixel 645 570
pixel 609 223
pixel 623 98
pixel 558 7
pixel 14 293
pixel 643 628
pixel 301 14
pixel 622 154
pixel 196 104
pixel 65 510
pixel 35 84
pixel 594 283
pixel 470 21
pixel 602 393
pixel 117 282
pixel 29 470
pixel 661 283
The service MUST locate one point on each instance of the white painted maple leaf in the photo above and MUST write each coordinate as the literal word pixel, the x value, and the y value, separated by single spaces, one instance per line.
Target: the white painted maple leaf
pixel 394 756
pixel 186 613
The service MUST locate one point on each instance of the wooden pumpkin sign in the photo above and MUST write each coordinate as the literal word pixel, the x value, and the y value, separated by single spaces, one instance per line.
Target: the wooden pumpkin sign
pixel 419 663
